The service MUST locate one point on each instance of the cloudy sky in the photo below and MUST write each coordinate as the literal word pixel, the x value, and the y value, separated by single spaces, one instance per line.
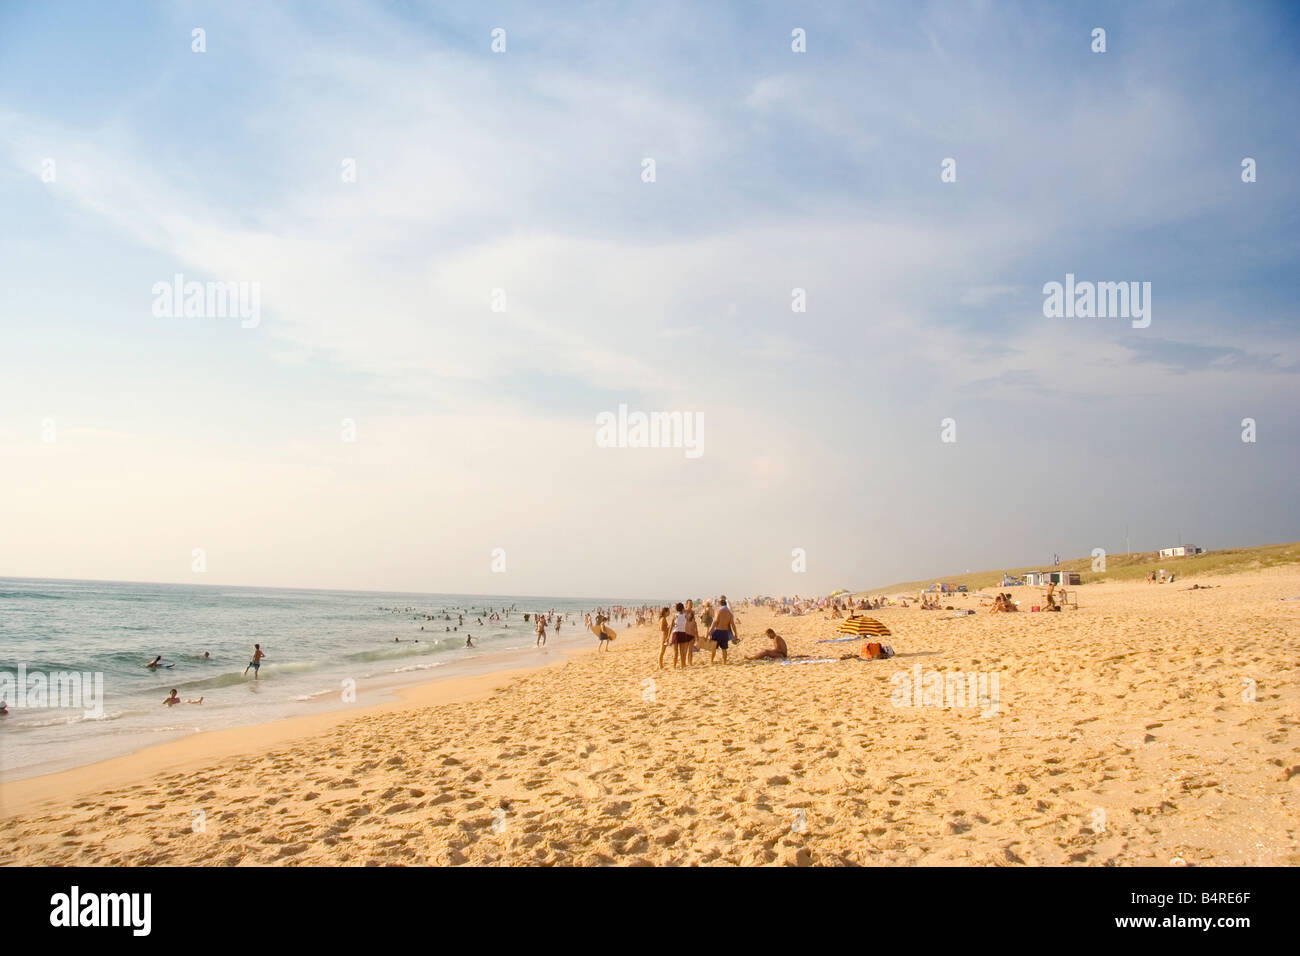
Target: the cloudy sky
pixel 129 439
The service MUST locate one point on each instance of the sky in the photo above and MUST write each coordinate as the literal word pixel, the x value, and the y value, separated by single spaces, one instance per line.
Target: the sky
pixel 415 406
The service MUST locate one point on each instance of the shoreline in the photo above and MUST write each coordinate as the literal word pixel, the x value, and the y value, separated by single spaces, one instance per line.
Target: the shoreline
pixel 1126 732
pixel 209 746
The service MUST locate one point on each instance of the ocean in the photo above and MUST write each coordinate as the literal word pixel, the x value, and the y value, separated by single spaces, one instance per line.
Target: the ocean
pixel 318 644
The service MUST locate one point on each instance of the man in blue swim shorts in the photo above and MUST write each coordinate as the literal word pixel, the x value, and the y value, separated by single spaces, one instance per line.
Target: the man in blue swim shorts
pixel 724 630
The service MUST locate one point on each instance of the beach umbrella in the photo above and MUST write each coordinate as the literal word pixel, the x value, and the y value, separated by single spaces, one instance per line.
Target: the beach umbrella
pixel 862 626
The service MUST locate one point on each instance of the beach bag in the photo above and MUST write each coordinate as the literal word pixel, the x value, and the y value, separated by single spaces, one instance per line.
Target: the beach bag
pixel 872 651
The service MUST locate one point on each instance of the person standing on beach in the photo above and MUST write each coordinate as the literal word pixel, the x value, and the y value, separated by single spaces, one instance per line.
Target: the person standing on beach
pixel 541 631
pixel 693 629
pixel 665 634
pixel 681 636
pixel 724 630
pixel 707 617
pixel 256 662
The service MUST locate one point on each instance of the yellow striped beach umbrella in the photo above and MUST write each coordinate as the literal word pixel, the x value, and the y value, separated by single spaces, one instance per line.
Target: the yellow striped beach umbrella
pixel 863 626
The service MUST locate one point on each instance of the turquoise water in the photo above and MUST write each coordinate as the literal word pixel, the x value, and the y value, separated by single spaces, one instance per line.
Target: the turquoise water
pixel 314 642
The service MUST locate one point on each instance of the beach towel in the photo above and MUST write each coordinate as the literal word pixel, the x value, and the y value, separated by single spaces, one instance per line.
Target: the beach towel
pixel 838 640
pixel 797 660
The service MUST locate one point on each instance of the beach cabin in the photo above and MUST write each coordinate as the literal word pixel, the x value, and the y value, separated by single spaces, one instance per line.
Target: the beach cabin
pixel 1065 577
pixel 1038 578
pixel 1182 551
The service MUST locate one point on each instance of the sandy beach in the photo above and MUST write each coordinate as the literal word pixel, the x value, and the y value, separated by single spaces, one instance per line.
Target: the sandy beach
pixel 1152 726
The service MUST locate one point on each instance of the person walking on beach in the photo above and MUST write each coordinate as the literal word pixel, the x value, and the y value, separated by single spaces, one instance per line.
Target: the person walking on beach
pixel 724 630
pixel 541 631
pixel 256 662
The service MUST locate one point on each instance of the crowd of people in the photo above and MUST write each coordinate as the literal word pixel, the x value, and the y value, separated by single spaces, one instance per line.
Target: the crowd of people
pixel 690 631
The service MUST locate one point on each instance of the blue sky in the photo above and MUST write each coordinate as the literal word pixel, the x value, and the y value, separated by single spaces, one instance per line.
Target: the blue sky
pixel 521 171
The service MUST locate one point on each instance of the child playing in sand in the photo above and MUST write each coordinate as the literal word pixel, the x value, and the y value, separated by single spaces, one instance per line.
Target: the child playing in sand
pixel 777 652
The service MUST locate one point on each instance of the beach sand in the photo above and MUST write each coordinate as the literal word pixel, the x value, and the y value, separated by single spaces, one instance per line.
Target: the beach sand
pixel 1152 726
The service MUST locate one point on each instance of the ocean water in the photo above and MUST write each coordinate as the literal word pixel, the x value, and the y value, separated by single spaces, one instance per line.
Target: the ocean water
pixel 314 642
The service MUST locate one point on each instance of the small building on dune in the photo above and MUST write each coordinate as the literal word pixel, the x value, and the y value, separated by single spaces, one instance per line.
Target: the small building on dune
pixel 1182 551
pixel 1043 578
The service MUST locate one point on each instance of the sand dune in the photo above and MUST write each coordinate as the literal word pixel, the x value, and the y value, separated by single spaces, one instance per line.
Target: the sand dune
pixel 1152 726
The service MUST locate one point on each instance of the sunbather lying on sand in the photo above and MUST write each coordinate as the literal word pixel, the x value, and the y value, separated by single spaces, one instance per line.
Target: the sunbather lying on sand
pixel 778 651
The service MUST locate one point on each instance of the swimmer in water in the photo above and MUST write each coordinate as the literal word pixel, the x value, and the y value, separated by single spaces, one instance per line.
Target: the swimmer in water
pixel 175 699
pixel 155 663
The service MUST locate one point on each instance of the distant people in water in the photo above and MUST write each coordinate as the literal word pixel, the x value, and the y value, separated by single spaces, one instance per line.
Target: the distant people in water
pixel 155 663
pixel 207 655
pixel 175 699
pixel 469 640
pixel 256 662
